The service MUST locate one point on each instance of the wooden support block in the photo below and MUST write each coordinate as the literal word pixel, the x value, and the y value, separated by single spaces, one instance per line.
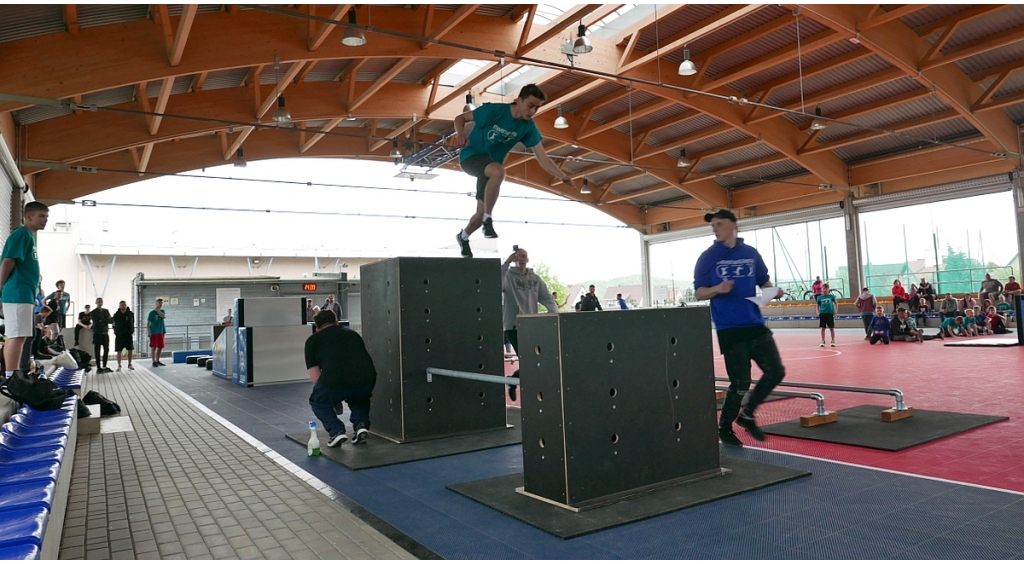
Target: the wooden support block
pixel 719 395
pixel 813 420
pixel 890 415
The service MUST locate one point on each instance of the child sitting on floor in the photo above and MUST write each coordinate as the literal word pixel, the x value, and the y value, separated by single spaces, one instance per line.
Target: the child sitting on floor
pixel 952 326
pixel 970 328
pixel 996 321
pixel 879 327
pixel 981 322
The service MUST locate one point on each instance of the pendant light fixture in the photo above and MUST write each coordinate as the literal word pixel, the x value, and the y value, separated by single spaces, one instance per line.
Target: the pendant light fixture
pixel 586 187
pixel 818 124
pixel 683 162
pixel 582 45
pixel 281 114
pixel 560 121
pixel 395 153
pixel 239 159
pixel 353 37
pixel 469 107
pixel 687 68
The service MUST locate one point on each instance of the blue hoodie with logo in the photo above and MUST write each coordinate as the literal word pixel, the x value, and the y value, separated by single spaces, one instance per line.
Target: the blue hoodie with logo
pixel 744 266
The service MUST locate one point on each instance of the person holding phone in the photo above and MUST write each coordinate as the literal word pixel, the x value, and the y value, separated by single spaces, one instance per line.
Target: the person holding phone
pixel 522 290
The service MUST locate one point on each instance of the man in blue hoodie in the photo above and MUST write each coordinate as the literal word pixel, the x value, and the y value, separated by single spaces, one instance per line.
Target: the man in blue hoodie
pixel 727 274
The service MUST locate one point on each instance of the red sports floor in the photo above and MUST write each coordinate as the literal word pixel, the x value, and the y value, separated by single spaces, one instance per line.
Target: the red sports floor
pixel 983 380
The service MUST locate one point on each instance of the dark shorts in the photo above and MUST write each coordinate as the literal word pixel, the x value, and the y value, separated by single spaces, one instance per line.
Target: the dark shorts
pixel 475 166
pixel 123 343
pixel 827 320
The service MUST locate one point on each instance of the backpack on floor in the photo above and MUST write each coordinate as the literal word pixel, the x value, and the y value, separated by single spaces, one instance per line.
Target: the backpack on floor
pixel 81 357
pixel 33 391
pixel 107 407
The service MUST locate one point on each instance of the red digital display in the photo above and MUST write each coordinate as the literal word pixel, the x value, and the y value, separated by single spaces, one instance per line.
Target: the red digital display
pixel 309 287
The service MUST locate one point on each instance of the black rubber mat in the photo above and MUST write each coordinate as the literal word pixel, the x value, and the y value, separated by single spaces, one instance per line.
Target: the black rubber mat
pixel 377 451
pixel 996 342
pixel 863 426
pixel 500 494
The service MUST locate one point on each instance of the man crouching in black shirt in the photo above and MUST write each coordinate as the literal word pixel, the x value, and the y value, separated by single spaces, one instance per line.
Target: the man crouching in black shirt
pixel 341 370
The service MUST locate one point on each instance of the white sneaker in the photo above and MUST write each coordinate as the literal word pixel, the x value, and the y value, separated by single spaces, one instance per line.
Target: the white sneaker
pixel 337 439
pixel 823 343
pixel 361 435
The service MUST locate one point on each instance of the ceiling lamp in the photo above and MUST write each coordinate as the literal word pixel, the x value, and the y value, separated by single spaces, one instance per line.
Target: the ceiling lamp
pixel 560 121
pixel 353 37
pixel 281 114
pixel 582 45
pixel 586 187
pixel 469 107
pixel 395 153
pixel 687 68
pixel 818 124
pixel 239 159
pixel 683 161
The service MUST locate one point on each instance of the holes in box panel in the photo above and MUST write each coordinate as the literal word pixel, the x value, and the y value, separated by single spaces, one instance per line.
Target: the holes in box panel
pixel 674 341
pixel 613 392
pixel 536 349
pixel 615 437
pixel 540 396
pixel 428 341
pixel 679 426
pixel 427 311
pixel 430 400
pixel 541 443
pixel 611 347
pixel 675 383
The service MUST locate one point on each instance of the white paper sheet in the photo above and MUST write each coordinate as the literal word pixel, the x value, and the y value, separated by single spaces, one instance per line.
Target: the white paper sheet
pixel 767 295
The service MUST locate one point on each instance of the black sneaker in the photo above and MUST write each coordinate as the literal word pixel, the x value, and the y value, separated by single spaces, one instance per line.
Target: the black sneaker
pixel 361 435
pixel 158 363
pixel 728 437
pixel 489 229
pixel 512 392
pixel 464 245
pixel 338 439
pixel 750 425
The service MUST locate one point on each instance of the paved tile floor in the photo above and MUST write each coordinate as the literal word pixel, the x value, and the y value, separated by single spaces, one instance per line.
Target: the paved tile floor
pixel 183 485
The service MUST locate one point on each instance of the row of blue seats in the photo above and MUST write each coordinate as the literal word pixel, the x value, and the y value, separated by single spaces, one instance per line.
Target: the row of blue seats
pixel 32 449
pixel 68 379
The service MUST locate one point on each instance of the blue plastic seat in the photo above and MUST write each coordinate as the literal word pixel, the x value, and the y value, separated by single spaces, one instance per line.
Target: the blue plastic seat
pixel 17 473
pixel 24 455
pixel 13 441
pixel 27 431
pixel 27 494
pixel 23 526
pixel 31 420
pixel 20 552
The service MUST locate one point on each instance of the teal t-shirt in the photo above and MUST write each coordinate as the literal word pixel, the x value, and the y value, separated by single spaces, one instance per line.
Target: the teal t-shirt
pixel 24 280
pixel 1003 306
pixel 156 323
pixel 495 132
pixel 947 323
pixel 826 303
pixel 969 321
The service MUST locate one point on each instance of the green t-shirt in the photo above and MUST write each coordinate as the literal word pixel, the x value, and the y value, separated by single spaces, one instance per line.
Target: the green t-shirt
pixel 24 280
pixel 495 132
pixel 948 323
pixel 156 323
pixel 826 303
pixel 1004 306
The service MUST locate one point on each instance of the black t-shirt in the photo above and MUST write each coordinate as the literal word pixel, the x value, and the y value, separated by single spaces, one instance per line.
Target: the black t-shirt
pixel 124 323
pixel 85 318
pixel 341 355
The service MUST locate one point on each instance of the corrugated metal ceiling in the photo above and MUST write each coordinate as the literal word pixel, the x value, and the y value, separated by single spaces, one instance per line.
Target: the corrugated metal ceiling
pixel 226 78
pixel 993 58
pixel 739 156
pixel 667 115
pixel 36 114
pixel 112 96
pixel 677 22
pixel 327 70
pixel 645 181
pixel 417 70
pixel 882 145
pixel 622 106
pixel 180 86
pixel 736 28
pixel 717 141
pixel 670 193
pixel 269 76
pixel 767 44
pixel 677 130
pixel 884 118
pixel 931 13
pixel 598 179
pixel 562 82
pixel 775 171
pixel 1016 113
pixel 373 68
pixel 749 84
pixel 844 74
pixel 986 25
pixel 92 15
pixel 21 21
pixel 860 98
pixel 599 92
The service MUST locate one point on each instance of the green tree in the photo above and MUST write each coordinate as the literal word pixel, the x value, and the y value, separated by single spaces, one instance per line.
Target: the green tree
pixel 552 281
pixel 957 271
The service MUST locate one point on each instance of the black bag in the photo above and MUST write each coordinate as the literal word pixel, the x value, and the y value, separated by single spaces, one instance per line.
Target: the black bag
pixel 83 410
pixel 33 391
pixel 81 357
pixel 107 407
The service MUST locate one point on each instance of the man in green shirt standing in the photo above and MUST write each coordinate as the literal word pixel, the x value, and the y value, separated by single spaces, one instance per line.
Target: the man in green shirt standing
pixel 157 329
pixel 496 129
pixel 19 276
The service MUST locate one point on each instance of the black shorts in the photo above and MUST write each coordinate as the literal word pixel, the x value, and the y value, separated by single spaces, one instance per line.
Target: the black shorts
pixel 475 166
pixel 123 343
pixel 827 320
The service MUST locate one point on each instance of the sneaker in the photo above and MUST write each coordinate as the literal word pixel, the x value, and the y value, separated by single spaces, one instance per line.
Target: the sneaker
pixel 158 363
pixel 750 425
pixel 464 246
pixel 512 392
pixel 338 439
pixel 489 229
pixel 119 368
pixel 823 343
pixel 833 343
pixel 361 434
pixel 155 364
pixel 728 437
pixel 867 337
pixel 42 356
pixel 130 367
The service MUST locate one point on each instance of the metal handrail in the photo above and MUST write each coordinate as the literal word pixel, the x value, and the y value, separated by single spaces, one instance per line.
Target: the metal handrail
pixel 900 406
pixel 819 399
pixel 507 380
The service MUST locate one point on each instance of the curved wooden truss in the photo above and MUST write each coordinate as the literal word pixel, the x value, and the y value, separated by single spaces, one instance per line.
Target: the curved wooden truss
pixel 185 86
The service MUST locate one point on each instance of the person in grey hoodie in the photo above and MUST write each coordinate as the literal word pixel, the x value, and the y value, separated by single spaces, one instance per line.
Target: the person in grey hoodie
pixel 522 289
pixel 866 304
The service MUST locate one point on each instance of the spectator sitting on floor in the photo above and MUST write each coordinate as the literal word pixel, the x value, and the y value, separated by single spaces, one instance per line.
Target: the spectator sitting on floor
pixel 1003 306
pixel 951 327
pixel 879 327
pixel 1012 288
pixel 990 288
pixel 899 294
pixel 970 328
pixel 903 328
pixel 949 306
pixel 981 321
pixel 996 322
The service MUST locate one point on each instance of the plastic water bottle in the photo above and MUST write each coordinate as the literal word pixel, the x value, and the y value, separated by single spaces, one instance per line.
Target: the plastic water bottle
pixel 313 446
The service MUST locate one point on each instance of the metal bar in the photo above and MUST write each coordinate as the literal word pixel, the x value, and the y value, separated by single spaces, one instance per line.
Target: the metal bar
pixel 113 261
pixel 174 267
pixel 840 388
pixel 818 398
pixel 507 380
pixel 88 268
pixel 195 263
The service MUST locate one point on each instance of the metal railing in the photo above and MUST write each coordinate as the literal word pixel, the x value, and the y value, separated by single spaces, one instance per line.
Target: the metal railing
pixel 955 281
pixel 819 399
pixel 897 394
pixel 178 338
pixel 507 380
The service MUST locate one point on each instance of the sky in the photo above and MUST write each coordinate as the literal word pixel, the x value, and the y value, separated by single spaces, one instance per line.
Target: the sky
pixel 342 216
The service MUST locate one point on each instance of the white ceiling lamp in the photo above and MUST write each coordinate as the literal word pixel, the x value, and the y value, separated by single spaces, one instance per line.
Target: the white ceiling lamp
pixel 469 107
pixel 239 159
pixel 582 45
pixel 818 124
pixel 687 68
pixel 560 121
pixel 395 153
pixel 683 162
pixel 353 37
pixel 586 187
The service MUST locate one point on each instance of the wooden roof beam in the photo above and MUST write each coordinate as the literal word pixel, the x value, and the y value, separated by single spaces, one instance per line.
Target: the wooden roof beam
pixel 177 49
pixel 638 193
pixel 976 47
pixel 768 60
pixel 647 21
pixel 316 39
pixel 70 18
pixel 1012 66
pixel 881 17
pixel 868 135
pixel 564 96
pixel 568 18
pixel 635 113
pixel 705 58
pixel 680 142
pixel 877 105
pixel 308 143
pixel 834 92
pixel 161 104
pixel 1001 102
pixel 283 83
pixel 380 82
pixel 235 145
pixel 454 20
pixel 402 128
pixel 960 17
pixel 737 168
pixel 476 78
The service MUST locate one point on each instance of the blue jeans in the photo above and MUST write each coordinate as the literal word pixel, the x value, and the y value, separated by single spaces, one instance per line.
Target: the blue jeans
pixel 323 400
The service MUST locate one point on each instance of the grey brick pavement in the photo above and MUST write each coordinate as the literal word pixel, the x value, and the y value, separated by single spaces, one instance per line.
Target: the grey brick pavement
pixel 182 485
